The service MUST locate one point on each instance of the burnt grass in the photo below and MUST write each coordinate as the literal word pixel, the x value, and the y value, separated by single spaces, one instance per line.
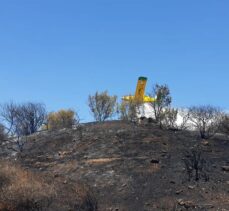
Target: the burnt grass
pixel 132 167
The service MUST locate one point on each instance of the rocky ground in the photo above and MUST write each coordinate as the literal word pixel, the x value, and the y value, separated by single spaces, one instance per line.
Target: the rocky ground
pixel 133 167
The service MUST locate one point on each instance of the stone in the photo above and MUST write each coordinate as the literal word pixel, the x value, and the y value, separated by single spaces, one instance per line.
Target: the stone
pixel 179 191
pixel 191 187
pixel 225 168
pixel 180 202
pixel 205 143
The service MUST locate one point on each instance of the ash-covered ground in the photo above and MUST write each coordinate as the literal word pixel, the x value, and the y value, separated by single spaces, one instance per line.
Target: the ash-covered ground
pixel 133 167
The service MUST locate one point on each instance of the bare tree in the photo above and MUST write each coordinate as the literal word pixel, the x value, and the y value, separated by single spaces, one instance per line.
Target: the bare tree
pixel 8 115
pixel 184 118
pixel 163 101
pixel 31 116
pixel 23 119
pixel 206 119
pixel 102 105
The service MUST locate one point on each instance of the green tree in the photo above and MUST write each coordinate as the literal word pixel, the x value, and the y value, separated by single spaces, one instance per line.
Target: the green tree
pixel 163 101
pixel 102 105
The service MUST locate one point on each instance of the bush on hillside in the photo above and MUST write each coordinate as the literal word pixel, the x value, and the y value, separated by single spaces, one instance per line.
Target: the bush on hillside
pixel 206 119
pixel 129 110
pixel 62 119
pixel 224 126
pixel 169 118
pixel 2 133
pixel 102 105
pixel 196 165
pixel 163 101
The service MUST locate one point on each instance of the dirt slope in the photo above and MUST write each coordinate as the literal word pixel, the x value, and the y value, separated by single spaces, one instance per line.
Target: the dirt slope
pixel 133 168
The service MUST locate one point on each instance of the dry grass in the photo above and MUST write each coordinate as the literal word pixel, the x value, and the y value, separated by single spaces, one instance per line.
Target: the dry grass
pixel 22 190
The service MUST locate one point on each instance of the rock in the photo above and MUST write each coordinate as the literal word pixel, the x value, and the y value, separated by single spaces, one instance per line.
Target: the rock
pixel 191 187
pixel 205 143
pixel 178 192
pixel 227 182
pixel 189 204
pixel 225 168
pixel 186 204
pixel 172 182
pixel 180 202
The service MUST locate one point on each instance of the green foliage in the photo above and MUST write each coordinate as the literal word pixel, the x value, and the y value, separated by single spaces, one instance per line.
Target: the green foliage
pixel 163 101
pixel 62 119
pixel 128 110
pixel 102 105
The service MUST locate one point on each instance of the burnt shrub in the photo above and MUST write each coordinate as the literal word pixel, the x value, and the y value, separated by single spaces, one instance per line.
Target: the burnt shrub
pixel 224 126
pixel 2 133
pixel 196 165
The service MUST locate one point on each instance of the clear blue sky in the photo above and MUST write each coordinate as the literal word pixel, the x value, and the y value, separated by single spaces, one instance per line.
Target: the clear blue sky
pixel 60 51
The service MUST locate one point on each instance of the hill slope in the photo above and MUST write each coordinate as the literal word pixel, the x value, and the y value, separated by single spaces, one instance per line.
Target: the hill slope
pixel 132 167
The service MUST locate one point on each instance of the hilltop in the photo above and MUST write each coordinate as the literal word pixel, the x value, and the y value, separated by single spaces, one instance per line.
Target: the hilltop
pixel 131 167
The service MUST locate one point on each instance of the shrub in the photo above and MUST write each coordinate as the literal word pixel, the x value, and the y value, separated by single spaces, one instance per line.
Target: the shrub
pixel 2 133
pixel 224 126
pixel 129 110
pixel 102 105
pixel 206 119
pixel 62 119
pixel 163 101
pixel 169 118
pixel 195 165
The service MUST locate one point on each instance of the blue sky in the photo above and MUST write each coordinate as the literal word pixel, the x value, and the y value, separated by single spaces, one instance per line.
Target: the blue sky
pixel 58 52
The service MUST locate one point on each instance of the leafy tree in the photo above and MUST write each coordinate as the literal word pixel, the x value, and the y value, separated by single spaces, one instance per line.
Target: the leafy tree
pixel 102 105
pixel 163 101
